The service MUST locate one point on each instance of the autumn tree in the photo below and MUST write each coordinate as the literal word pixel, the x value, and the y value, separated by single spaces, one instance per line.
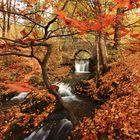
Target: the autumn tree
pixel 123 9
pixel 92 23
pixel 38 20
pixel 106 19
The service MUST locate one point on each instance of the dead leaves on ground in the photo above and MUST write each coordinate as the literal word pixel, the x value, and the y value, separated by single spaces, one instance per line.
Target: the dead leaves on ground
pixel 119 117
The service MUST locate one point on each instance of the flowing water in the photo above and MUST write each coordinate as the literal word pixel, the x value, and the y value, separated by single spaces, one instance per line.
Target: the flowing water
pixel 20 96
pixel 60 130
pixel 65 92
pixel 59 126
pixel 82 66
pixel 50 131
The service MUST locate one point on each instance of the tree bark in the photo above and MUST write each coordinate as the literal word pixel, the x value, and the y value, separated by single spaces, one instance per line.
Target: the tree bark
pixel 55 92
pixel 97 61
pixel 8 16
pixel 4 20
pixel 102 52
pixel 117 31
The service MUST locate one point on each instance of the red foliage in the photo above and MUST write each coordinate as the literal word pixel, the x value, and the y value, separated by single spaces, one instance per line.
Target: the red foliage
pixel 135 35
pixel 29 40
pixel 23 32
pixel 54 87
pixel 124 29
pixel 14 66
pixel 91 25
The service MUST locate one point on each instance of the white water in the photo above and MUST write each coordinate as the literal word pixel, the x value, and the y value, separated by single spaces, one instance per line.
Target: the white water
pixel 65 92
pixel 82 66
pixel 58 132
pixel 40 134
pixel 20 96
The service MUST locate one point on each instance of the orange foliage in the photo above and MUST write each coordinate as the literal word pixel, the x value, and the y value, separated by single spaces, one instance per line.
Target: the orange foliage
pixel 118 117
pixel 90 25
pixel 38 18
pixel 32 1
pixel 135 35
pixel 18 87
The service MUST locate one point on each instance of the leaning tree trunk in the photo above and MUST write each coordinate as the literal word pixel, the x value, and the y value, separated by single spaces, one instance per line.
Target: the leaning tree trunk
pixel 54 92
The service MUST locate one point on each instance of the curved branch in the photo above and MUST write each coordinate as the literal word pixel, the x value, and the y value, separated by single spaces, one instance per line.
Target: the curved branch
pixel 65 35
pixel 129 25
pixel 29 32
pixel 14 41
pixel 53 20
pixel 15 53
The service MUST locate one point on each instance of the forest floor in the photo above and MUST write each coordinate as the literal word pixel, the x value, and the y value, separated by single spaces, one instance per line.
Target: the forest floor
pixel 117 117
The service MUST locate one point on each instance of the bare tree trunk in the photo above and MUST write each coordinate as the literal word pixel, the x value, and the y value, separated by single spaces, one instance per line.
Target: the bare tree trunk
pixel 102 52
pixel 105 46
pixel 4 20
pixel 15 27
pixel 97 61
pixel 8 18
pixel 100 40
pixel 117 26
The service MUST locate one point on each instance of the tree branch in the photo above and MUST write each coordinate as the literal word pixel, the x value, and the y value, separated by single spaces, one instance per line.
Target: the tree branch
pixel 24 16
pixel 14 53
pixel 65 35
pixel 132 23
pixel 32 54
pixel 14 41
pixel 28 32
pixel 53 20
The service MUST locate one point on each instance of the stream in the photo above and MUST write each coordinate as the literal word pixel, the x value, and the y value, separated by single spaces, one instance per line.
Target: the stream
pixel 58 126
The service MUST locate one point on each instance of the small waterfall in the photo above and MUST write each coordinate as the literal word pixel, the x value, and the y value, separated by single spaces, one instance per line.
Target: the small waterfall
pixel 65 92
pixel 82 66
pixel 51 131
pixel 20 96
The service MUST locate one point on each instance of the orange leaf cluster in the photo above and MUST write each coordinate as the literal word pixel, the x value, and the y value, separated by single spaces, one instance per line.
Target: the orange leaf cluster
pixel 32 1
pixel 84 26
pixel 38 17
pixel 18 87
pixel 129 4
pixel 23 32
